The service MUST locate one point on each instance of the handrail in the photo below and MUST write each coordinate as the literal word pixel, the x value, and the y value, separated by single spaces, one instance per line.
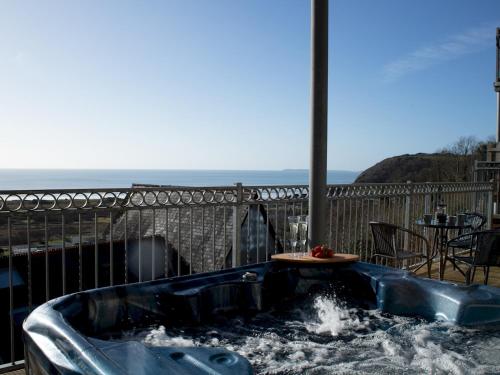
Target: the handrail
pixel 136 197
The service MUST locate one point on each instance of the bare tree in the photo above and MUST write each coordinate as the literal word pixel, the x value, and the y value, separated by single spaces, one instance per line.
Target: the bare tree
pixel 465 146
pixel 463 150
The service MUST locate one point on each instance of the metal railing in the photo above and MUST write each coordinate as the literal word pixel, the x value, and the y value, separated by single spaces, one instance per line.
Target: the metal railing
pixel 352 207
pixel 489 171
pixel 58 242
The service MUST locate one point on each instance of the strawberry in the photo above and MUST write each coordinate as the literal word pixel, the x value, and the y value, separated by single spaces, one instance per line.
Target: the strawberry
pixel 322 251
pixel 315 251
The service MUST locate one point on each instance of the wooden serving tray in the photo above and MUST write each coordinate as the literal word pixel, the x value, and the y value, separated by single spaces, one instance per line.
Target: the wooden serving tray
pixel 337 258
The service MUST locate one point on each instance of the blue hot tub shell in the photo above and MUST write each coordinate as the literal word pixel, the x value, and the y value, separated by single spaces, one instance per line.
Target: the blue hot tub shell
pixel 65 335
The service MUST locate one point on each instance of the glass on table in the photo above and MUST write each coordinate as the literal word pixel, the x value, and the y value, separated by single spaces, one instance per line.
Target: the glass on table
pixel 293 222
pixel 428 218
pixel 461 219
pixel 441 215
pixel 303 229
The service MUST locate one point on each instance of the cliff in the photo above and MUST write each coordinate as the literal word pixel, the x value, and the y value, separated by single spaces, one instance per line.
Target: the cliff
pixel 419 168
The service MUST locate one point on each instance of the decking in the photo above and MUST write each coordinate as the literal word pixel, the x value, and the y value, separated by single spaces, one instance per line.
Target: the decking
pixel 16 372
pixel 456 277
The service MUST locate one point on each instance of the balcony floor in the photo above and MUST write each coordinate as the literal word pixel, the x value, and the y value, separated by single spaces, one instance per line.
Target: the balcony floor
pixel 456 277
pixel 16 372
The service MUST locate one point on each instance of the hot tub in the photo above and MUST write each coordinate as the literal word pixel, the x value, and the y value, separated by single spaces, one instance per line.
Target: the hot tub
pixel 268 318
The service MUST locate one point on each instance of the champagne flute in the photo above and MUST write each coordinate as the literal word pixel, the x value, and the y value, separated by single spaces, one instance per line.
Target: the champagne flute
pixel 303 228
pixel 293 221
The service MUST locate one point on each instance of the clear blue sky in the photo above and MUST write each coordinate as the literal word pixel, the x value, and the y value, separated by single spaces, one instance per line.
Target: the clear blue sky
pixel 224 84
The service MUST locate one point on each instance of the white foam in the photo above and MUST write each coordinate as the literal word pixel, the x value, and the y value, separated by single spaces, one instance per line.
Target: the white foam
pixel 333 339
pixel 333 318
pixel 159 337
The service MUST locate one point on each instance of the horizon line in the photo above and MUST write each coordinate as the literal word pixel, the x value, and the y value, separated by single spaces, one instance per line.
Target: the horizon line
pixel 170 169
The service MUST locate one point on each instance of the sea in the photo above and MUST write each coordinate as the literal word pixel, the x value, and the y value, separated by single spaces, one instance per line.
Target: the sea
pixel 34 179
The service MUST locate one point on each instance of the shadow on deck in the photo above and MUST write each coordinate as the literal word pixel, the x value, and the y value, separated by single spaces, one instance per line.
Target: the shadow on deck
pixel 16 372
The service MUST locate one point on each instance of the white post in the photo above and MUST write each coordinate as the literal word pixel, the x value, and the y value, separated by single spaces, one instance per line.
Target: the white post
pixel 489 207
pixel 474 194
pixel 427 200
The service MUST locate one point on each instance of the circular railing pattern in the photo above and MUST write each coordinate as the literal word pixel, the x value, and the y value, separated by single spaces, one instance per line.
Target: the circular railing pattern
pixel 268 194
pixel 403 189
pixel 43 201
pixel 64 200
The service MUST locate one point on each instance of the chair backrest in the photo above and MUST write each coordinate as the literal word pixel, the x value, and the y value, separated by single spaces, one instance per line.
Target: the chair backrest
pixel 384 237
pixel 476 220
pixel 487 248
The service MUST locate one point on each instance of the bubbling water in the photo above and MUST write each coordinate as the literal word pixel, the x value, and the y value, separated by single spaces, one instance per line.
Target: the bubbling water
pixel 325 336
pixel 333 319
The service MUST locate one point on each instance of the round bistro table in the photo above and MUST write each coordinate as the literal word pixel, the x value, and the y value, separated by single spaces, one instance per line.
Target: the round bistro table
pixel 439 244
pixel 295 258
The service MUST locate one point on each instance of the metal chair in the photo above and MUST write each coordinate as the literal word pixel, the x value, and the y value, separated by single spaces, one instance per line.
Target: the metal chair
pixel 400 244
pixel 484 252
pixel 463 241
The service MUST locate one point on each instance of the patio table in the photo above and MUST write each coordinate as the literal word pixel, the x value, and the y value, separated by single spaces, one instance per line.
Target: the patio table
pixel 439 244
pixel 293 258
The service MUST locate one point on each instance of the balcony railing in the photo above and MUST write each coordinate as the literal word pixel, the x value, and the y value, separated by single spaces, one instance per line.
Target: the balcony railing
pixel 55 242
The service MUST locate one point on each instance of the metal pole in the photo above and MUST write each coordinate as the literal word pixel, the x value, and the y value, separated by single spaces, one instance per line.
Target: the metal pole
pixel 498 113
pixel 236 251
pixel 496 84
pixel 407 212
pixel 319 122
